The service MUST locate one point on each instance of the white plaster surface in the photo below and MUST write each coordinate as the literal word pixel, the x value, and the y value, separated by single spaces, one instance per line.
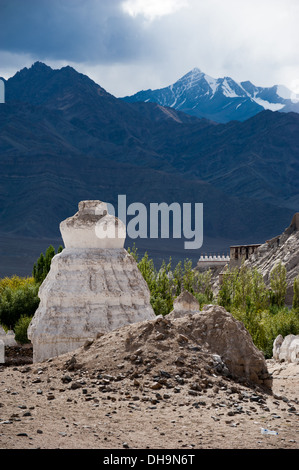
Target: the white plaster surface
pixel 88 290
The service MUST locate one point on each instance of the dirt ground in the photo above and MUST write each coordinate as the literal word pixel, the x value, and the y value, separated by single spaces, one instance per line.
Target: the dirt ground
pixel 128 391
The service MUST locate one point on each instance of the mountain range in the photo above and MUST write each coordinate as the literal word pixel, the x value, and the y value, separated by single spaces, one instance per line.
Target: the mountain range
pixel 221 100
pixel 63 139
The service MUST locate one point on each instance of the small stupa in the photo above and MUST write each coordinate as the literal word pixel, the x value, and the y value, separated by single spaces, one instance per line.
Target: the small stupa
pixel 93 286
pixel 183 305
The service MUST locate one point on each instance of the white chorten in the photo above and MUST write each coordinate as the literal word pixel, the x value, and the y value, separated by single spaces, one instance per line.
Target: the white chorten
pixel 94 285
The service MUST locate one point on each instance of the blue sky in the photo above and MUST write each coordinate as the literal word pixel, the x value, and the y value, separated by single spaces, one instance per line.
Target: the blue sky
pixel 129 45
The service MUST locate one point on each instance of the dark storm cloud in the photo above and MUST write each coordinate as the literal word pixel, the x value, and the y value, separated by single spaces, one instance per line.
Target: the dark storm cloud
pixel 129 45
pixel 75 30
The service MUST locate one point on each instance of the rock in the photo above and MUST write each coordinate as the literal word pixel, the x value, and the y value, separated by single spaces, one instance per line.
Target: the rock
pixel 88 343
pixel 156 386
pixel 286 349
pixel 94 285
pixel 66 379
pixel 182 338
pixel 276 346
pixel 183 305
pixel 75 385
pixel 229 339
pixel 71 364
pixel 160 336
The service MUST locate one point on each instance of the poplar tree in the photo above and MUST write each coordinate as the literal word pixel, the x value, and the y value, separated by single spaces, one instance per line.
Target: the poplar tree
pixel 296 294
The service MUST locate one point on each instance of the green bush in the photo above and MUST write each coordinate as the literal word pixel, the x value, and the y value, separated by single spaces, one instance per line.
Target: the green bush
pixel 265 326
pixel 284 322
pixel 254 324
pixel 21 328
pixel 160 305
pixel 14 303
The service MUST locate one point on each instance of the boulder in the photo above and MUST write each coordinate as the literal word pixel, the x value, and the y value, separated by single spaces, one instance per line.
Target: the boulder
pixel 224 336
pixel 227 337
pixel 93 286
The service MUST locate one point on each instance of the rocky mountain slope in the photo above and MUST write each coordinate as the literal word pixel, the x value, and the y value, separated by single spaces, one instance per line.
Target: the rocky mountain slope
pixel 221 99
pixel 284 248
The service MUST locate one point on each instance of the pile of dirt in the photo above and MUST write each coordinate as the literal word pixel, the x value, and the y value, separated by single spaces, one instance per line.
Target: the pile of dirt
pixel 191 347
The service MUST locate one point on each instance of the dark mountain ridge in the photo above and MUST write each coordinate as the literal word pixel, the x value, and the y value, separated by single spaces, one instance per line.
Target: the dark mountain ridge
pixel 63 139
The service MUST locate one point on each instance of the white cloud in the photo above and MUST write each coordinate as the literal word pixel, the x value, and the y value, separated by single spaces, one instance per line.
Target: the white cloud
pixel 253 40
pixel 152 9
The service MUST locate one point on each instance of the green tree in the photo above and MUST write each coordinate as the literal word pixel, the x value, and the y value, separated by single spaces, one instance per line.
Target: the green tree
pixel 225 294
pixel 203 290
pixel 296 294
pixel 243 288
pixel 133 251
pixel 160 305
pixel 147 269
pixel 177 279
pixel 43 264
pixel 163 289
pixel 188 277
pixel 39 269
pixel 15 303
pixel 278 284
pixel 260 292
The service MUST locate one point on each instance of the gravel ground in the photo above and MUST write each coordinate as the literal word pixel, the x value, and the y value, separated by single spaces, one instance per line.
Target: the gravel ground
pixel 112 394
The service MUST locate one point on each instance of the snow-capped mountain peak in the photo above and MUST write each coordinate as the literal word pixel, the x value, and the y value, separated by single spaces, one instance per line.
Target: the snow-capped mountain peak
pixel 219 99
